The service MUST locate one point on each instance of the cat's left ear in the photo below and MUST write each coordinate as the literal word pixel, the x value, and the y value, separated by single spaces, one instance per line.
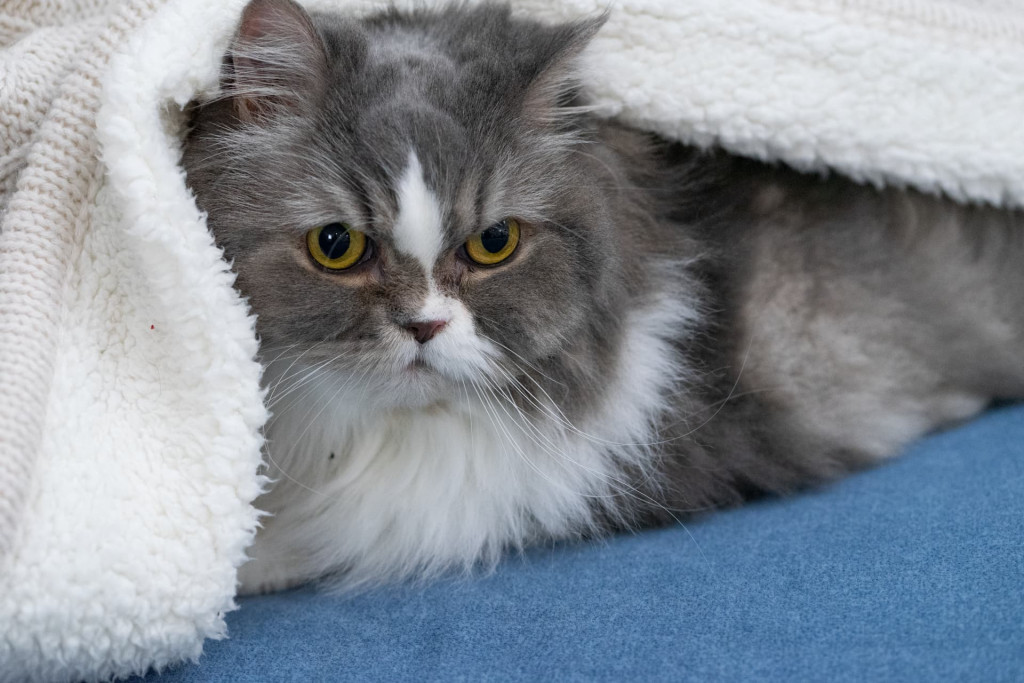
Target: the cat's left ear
pixel 556 83
pixel 278 61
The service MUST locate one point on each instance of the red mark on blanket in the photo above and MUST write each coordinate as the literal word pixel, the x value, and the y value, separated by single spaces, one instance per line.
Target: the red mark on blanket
pixel 152 327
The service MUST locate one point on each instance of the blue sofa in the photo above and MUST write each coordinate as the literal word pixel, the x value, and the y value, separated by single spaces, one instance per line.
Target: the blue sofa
pixel 913 571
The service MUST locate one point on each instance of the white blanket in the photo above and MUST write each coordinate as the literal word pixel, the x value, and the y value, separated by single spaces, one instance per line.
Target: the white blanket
pixel 130 408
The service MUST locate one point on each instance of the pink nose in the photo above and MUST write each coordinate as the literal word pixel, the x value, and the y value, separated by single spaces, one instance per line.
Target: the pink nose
pixel 425 330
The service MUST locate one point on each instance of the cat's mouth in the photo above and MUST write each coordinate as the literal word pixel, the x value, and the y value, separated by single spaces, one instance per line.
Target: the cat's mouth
pixel 417 364
pixel 420 384
pixel 425 374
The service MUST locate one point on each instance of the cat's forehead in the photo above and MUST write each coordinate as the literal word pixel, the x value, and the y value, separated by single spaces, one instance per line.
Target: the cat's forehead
pixel 427 181
pixel 429 129
pixel 408 91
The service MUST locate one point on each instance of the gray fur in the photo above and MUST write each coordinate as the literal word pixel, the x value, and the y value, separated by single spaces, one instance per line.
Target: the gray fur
pixel 838 321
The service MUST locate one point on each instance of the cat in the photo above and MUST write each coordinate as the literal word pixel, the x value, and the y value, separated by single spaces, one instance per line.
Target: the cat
pixel 490 318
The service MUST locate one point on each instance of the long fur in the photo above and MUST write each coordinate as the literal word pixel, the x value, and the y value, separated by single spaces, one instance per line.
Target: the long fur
pixel 676 330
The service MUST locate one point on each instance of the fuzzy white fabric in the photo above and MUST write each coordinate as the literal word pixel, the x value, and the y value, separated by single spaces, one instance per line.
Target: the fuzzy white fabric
pixel 924 93
pixel 131 409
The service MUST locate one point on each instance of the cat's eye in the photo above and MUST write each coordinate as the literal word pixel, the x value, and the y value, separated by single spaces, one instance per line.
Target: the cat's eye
pixel 495 244
pixel 336 246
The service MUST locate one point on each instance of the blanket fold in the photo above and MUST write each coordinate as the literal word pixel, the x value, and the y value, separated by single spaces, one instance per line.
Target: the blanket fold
pixel 130 416
pixel 130 404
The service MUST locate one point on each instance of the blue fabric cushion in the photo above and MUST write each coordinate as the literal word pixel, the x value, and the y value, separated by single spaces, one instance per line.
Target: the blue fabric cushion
pixel 910 571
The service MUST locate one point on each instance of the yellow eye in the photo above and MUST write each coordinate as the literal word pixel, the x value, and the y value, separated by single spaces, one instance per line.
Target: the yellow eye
pixel 495 244
pixel 336 246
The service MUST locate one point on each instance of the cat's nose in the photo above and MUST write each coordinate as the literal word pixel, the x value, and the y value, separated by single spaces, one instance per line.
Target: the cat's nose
pixel 425 330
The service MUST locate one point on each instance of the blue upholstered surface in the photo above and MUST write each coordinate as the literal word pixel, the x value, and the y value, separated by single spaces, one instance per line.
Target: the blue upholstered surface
pixel 911 571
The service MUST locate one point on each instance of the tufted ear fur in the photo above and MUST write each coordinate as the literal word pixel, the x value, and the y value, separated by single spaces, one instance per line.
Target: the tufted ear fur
pixel 556 83
pixel 278 61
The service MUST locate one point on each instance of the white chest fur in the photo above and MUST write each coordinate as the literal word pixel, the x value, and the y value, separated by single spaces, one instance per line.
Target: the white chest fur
pixel 385 494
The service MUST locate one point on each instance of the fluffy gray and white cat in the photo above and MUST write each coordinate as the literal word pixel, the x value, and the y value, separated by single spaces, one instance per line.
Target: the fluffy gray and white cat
pixel 489 318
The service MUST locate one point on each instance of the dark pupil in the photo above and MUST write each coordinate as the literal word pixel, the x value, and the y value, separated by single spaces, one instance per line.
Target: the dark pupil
pixel 495 237
pixel 334 240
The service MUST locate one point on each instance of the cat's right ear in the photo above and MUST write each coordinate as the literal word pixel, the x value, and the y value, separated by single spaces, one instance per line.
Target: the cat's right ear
pixel 277 62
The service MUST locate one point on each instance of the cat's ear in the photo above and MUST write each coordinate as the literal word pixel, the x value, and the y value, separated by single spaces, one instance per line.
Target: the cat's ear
pixel 557 80
pixel 278 61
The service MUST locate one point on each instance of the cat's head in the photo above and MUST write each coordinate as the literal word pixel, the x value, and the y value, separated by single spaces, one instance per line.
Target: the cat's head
pixel 417 202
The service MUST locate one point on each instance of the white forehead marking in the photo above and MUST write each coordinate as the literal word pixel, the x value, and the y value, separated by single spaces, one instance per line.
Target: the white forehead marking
pixel 417 231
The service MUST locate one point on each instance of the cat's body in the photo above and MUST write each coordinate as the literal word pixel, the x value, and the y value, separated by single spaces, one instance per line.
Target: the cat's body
pixel 675 331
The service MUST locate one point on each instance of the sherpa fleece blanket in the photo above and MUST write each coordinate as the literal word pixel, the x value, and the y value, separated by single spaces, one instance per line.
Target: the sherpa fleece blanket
pixel 130 406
